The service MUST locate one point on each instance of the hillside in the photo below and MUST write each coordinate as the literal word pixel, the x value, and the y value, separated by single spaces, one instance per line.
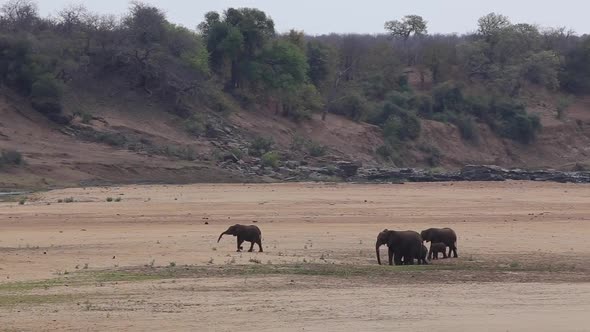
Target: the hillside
pixel 89 99
pixel 55 157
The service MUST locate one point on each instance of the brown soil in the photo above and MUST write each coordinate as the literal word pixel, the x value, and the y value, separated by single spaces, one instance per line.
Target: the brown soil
pixel 153 262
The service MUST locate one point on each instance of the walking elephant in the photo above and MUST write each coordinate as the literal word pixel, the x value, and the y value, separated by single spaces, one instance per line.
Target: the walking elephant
pixel 444 235
pixel 435 248
pixel 250 233
pixel 403 247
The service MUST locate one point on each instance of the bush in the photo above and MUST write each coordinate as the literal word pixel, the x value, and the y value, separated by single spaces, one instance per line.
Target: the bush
pixel 447 97
pixel 46 95
pixel 389 153
pixel 385 151
pixel 433 155
pixel 85 117
pixel 404 126
pixel 11 157
pixel 113 139
pixel 422 104
pixel 300 114
pixel 352 106
pixel 521 127
pixel 467 128
pixel 270 159
pixel 562 104
pixel 509 118
pixel 195 125
pixel 260 146
pixel 298 143
pixel 315 149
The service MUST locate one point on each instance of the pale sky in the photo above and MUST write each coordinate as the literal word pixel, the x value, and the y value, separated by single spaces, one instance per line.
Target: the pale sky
pixel 364 16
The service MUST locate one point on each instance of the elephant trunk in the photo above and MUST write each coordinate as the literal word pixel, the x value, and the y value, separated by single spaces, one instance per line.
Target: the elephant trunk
pixel 377 251
pixel 221 236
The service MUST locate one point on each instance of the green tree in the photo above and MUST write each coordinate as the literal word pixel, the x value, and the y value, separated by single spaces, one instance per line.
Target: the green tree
pixel 576 75
pixel 236 40
pixel 282 70
pixel 318 60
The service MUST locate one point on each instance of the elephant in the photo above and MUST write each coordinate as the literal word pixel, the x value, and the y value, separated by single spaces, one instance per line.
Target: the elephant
pixel 403 247
pixel 435 248
pixel 444 235
pixel 423 254
pixel 250 233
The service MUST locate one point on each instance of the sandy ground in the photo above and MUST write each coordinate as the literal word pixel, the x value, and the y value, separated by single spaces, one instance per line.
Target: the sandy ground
pixel 524 258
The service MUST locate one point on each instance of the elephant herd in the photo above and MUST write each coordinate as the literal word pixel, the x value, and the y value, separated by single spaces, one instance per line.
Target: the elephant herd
pixel 403 246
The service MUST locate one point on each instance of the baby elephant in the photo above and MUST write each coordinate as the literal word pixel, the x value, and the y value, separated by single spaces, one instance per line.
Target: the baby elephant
pixel 422 258
pixel 248 233
pixel 435 248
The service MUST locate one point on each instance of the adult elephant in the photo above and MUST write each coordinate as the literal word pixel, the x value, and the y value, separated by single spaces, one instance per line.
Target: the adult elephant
pixel 403 246
pixel 444 235
pixel 250 233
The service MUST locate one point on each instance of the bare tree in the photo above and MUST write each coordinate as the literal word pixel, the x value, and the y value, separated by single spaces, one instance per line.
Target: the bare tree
pixel 407 26
pixel 410 25
pixel 19 15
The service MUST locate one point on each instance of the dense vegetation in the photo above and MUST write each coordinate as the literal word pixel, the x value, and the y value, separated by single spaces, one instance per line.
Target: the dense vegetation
pixel 237 59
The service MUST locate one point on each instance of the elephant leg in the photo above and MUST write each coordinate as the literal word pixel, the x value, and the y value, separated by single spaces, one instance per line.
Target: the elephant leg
pixel 430 253
pixel 397 259
pixel 259 243
pixel 445 253
pixel 390 256
pixel 240 241
pixel 454 252
pixel 251 246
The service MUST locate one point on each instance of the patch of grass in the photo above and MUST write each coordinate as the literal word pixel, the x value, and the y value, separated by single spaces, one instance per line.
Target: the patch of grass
pixel 35 299
pixel 109 199
pixel 22 201
pixel 113 139
pixel 298 143
pixel 316 149
pixel 563 103
pixel 172 264
pixel 68 200
pixel 254 260
pixel 30 285
pixel 118 199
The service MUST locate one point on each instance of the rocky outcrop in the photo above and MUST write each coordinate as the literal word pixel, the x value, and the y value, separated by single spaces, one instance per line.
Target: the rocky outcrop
pixel 472 173
pixel 354 172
